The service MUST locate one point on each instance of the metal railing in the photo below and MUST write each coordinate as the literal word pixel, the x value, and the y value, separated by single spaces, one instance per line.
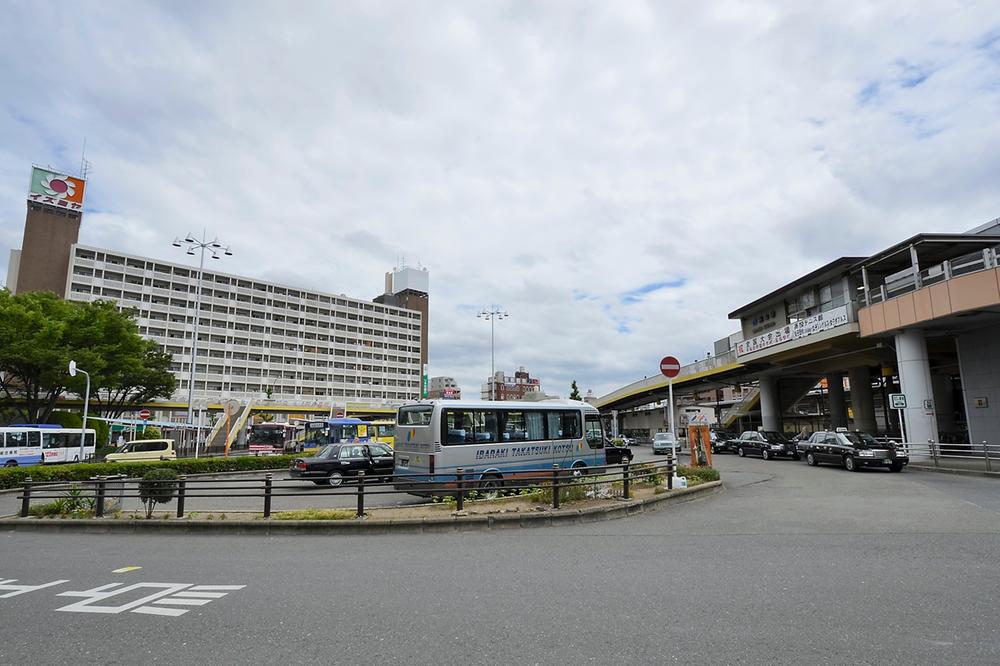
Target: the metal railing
pixel 908 280
pixel 982 456
pixel 555 484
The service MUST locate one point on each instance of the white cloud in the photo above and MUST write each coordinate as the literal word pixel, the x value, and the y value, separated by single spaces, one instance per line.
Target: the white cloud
pixel 526 153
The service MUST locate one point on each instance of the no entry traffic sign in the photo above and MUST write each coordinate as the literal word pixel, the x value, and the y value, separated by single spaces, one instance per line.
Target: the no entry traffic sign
pixel 144 414
pixel 670 367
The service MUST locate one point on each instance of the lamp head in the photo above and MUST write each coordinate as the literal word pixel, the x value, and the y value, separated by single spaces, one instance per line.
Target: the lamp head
pixel 72 368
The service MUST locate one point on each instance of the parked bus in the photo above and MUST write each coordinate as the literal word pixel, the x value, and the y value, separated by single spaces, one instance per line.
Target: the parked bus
pixel 279 436
pixel 493 442
pixel 385 431
pixel 312 435
pixel 32 444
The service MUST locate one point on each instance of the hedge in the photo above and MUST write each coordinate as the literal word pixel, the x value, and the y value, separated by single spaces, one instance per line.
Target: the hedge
pixel 13 477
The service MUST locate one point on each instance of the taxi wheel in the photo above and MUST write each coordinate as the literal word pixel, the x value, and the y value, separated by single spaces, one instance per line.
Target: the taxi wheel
pixel 740 452
pixel 765 454
pixel 810 460
pixel 896 467
pixel 849 464
pixel 335 480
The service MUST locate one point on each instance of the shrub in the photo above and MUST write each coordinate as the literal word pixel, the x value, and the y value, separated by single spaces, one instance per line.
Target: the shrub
pixel 13 477
pixel 157 487
pixel 75 503
pixel 696 475
pixel 647 474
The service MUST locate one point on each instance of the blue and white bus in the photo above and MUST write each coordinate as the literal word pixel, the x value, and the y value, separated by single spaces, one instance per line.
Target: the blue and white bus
pixel 494 442
pixel 33 444
pixel 314 435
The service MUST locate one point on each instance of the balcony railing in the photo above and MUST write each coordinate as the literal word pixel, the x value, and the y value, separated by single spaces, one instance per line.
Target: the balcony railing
pixel 909 280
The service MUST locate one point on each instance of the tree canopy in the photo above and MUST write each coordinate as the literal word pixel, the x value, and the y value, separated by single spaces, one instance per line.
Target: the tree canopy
pixel 41 333
pixel 574 393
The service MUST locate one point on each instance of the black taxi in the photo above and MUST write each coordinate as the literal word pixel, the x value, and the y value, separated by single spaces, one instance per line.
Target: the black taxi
pixel 334 464
pixel 853 450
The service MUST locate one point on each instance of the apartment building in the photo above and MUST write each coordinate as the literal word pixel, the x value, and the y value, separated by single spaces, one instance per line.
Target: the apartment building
pixel 258 338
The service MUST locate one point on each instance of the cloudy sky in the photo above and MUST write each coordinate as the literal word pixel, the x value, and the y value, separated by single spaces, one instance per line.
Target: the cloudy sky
pixel 618 176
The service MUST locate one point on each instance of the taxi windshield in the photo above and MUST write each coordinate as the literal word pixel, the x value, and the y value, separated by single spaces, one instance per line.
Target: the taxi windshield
pixel 862 440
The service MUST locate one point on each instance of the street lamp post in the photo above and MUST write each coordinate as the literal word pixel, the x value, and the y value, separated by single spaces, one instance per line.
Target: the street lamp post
pixel 492 314
pixel 86 404
pixel 214 247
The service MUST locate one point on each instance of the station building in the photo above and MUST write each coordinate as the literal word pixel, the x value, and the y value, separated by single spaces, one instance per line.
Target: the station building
pixel 298 347
pixel 920 318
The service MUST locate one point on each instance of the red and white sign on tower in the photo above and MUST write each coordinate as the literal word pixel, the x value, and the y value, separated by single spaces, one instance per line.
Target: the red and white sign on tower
pixel 670 367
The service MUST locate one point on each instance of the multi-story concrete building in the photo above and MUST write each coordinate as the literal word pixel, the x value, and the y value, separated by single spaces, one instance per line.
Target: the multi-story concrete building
pixel 444 387
pixel 505 387
pixel 255 338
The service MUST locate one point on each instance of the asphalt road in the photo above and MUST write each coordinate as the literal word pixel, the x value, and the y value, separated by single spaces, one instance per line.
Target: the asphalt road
pixel 789 565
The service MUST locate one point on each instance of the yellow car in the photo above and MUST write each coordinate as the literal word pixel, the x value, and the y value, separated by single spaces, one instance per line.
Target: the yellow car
pixel 144 450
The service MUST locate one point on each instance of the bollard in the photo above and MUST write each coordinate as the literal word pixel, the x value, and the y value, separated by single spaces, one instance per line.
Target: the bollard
pixel 99 489
pixel 986 452
pixel 555 486
pixel 460 500
pixel 25 497
pixel 625 482
pixel 267 495
pixel 181 492
pixel 671 470
pixel 361 494
pixel 934 450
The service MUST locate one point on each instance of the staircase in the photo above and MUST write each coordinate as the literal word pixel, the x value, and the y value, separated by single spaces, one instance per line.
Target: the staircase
pixel 218 438
pixel 741 408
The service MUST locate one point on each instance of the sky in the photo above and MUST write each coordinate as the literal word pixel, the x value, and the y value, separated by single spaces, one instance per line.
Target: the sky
pixel 616 176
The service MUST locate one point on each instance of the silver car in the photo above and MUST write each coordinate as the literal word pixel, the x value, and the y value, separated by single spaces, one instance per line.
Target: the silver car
pixel 663 442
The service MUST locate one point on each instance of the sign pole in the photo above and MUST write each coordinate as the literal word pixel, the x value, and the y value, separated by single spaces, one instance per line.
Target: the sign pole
pixel 670 419
pixel 902 431
pixel 670 367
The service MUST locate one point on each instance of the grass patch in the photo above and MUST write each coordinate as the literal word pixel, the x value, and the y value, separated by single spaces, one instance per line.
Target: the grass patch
pixel 315 514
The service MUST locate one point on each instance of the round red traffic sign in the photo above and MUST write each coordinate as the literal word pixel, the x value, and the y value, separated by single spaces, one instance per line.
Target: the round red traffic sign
pixel 145 414
pixel 670 366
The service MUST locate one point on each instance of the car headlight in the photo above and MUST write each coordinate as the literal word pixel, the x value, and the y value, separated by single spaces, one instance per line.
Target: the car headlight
pixel 866 454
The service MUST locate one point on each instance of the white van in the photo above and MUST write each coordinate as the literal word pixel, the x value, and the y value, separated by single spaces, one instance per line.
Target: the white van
pixel 144 450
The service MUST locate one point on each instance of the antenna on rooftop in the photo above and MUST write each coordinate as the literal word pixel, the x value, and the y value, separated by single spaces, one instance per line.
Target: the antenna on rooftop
pixel 84 162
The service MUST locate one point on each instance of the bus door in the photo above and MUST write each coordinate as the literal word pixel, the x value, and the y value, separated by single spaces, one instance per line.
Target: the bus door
pixel 594 438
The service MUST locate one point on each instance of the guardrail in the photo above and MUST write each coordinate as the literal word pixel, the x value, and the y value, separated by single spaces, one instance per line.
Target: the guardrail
pixel 955 456
pixel 97 491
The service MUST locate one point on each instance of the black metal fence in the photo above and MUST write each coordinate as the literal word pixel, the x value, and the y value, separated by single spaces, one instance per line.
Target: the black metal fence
pixel 555 483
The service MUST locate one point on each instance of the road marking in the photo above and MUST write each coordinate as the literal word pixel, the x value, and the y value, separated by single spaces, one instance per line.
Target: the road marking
pixel 160 594
pixel 14 590
pixel 126 569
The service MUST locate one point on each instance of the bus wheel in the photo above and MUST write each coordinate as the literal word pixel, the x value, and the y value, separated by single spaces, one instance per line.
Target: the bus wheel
pixel 490 487
pixel 579 469
pixel 10 463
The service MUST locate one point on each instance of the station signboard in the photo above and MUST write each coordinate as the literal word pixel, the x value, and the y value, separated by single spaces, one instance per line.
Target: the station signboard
pixel 824 321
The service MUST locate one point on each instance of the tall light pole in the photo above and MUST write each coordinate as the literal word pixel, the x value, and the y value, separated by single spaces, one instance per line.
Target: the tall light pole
pixel 214 247
pixel 492 314
pixel 86 404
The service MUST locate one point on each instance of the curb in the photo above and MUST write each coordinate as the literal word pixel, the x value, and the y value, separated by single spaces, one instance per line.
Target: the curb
pixel 385 526
pixel 953 470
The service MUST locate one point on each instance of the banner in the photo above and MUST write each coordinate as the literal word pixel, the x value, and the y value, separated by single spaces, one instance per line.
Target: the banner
pixel 56 189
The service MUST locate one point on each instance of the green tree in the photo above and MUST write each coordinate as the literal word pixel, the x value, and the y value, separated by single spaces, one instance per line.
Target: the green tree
pixel 157 487
pixel 36 339
pixel 41 333
pixel 150 432
pixel 574 393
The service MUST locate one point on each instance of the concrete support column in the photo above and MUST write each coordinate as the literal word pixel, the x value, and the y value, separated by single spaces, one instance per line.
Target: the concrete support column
pixel 944 403
pixel 915 381
pixel 862 402
pixel 770 404
pixel 838 405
